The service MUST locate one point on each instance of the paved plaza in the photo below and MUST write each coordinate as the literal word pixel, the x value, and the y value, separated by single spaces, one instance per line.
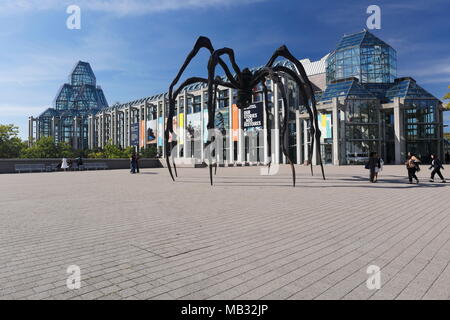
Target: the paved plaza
pixel 248 237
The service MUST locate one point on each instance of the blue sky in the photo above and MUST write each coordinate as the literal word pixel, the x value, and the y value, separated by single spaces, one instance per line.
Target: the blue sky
pixel 135 47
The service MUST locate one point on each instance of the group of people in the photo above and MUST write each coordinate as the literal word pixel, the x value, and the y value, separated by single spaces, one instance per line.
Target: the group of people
pixel 69 163
pixel 412 165
pixel 134 163
pixel 375 165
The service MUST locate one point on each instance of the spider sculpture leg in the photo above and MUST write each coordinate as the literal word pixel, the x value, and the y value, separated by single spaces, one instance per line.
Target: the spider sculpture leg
pixel 267 71
pixel 303 101
pixel 284 52
pixel 268 125
pixel 215 104
pixel 284 127
pixel 213 61
pixel 202 42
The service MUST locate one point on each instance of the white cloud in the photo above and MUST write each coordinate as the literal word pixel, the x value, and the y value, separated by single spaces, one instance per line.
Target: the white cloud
pixel 8 110
pixel 118 7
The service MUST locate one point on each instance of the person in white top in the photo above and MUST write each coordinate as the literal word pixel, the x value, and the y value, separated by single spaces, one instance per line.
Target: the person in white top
pixel 64 164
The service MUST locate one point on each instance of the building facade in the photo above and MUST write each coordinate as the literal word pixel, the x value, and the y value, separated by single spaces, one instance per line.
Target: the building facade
pixel 362 105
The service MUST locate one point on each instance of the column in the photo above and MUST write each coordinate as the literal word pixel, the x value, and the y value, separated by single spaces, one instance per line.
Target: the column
pixel 74 133
pixel 38 128
pixel 276 119
pixel 335 125
pixel 202 126
pixel 185 104
pixel 30 131
pixel 230 123
pixel 129 111
pixel 399 132
pixel 298 137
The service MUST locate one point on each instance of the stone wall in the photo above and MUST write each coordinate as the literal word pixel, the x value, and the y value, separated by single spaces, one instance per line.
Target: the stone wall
pixel 7 165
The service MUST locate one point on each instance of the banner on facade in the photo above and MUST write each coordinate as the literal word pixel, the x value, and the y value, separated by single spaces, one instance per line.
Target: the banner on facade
pixel 160 131
pixel 193 125
pixel 235 122
pixel 151 131
pixel 252 116
pixel 205 125
pixel 325 125
pixel 134 129
pixel 142 134
pixel 181 128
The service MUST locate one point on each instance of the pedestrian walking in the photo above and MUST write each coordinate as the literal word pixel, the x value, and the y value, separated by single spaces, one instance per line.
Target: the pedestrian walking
pixel 374 165
pixel 436 165
pixel 133 163
pixel 412 165
pixel 378 168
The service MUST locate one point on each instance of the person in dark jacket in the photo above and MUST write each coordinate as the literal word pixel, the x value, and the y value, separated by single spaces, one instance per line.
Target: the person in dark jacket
pixel 137 162
pixel 133 163
pixel 373 165
pixel 436 165
pixel 412 165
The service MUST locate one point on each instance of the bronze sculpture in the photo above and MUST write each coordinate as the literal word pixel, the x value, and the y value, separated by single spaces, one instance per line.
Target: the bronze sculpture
pixel 244 81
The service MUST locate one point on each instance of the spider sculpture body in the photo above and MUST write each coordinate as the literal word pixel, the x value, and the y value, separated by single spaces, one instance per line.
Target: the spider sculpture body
pixel 244 81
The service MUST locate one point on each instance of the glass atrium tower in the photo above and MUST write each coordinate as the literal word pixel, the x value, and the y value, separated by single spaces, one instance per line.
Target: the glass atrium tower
pixel 366 108
pixel 67 121
pixel 363 56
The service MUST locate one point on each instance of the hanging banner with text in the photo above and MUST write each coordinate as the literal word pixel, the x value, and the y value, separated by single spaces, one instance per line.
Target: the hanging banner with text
pixel 252 116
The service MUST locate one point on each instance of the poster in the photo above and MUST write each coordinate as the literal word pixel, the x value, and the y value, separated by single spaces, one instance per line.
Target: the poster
pixel 180 131
pixel 142 134
pixel 134 140
pixel 252 116
pixel 205 124
pixel 160 131
pixel 151 131
pixel 235 122
pixel 222 121
pixel 193 126
pixel 325 125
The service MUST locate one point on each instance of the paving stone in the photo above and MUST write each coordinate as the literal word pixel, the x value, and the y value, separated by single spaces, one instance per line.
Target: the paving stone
pixel 247 237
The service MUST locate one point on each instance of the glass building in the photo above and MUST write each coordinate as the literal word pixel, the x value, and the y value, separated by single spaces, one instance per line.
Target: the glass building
pixel 369 109
pixel 67 121
pixel 363 107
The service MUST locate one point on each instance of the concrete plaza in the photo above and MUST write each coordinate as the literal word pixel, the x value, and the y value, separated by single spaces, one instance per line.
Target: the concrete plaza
pixel 248 237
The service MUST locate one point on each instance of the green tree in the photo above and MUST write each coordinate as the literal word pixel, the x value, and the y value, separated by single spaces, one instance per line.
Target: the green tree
pixel 447 97
pixel 45 148
pixel 110 151
pixel 149 151
pixel 11 145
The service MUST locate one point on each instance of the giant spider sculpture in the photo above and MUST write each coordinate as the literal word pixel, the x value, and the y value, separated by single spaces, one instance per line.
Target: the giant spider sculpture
pixel 244 81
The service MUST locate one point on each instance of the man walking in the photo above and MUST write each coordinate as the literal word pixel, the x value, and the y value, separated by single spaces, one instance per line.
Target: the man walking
pixel 436 165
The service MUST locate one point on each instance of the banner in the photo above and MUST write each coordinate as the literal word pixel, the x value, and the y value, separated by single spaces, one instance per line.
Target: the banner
pixel 193 126
pixel 142 134
pixel 134 141
pixel 151 131
pixel 235 122
pixel 160 131
pixel 325 125
pixel 252 116
pixel 180 131
pixel 205 124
